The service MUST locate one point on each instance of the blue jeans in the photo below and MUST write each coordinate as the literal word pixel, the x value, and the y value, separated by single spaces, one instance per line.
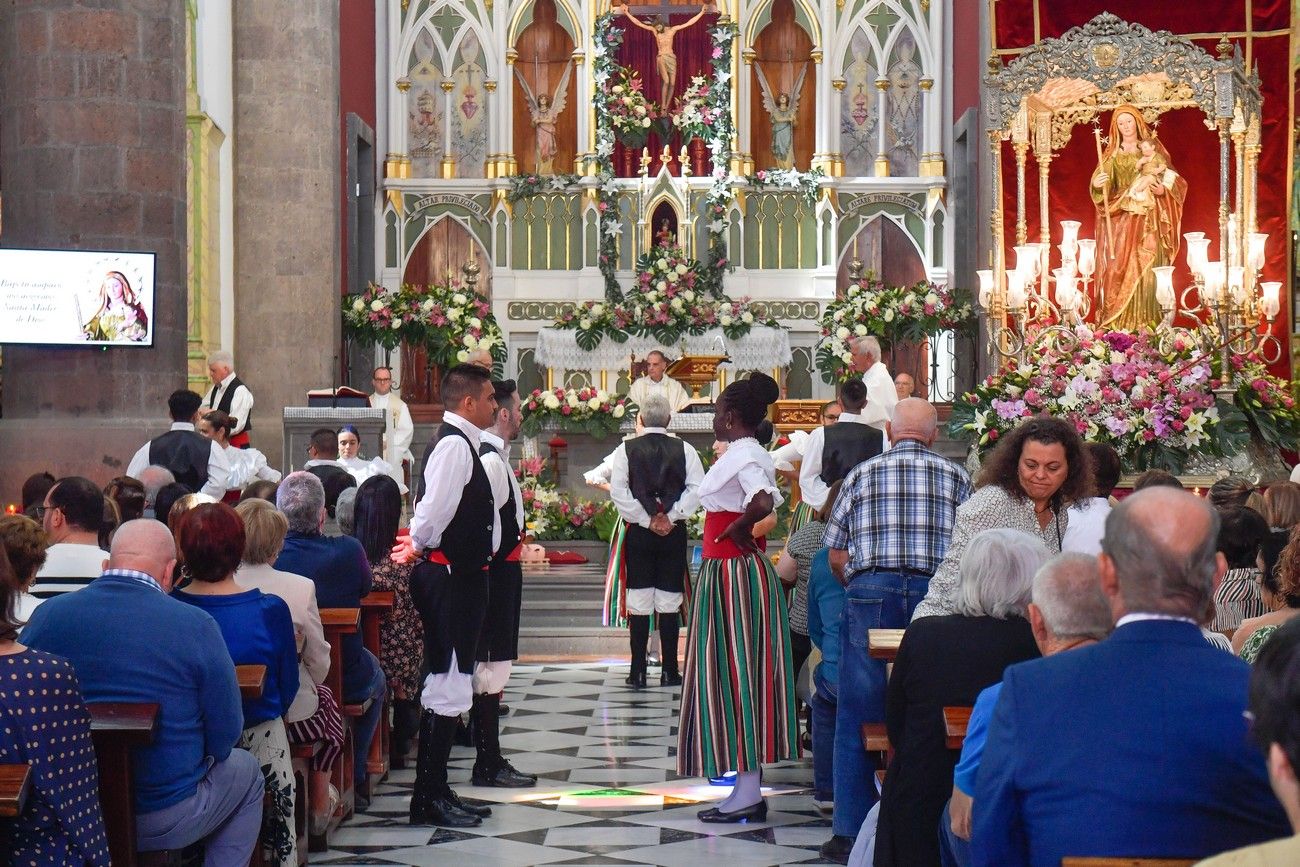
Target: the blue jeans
pixel 875 600
pixel 368 723
pixel 225 812
pixel 823 732
pixel 953 850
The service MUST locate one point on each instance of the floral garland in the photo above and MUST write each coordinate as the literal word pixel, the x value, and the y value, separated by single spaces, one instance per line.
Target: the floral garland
pixel 592 411
pixel 696 112
pixel 607 39
pixel 808 184
pixel 448 321
pixel 527 186
pixel 891 313
pixel 1156 408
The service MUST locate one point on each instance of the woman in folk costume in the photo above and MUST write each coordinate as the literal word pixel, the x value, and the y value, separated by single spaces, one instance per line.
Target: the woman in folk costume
pixel 738 701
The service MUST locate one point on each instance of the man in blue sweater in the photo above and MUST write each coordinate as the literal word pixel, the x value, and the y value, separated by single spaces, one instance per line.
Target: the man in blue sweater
pixel 131 642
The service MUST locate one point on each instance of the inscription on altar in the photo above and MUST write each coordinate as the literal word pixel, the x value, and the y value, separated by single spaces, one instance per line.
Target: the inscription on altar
pixel 449 199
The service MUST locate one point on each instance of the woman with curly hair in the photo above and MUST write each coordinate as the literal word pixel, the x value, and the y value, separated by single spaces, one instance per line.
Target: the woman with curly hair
pixel 1036 472
pixel 1279 587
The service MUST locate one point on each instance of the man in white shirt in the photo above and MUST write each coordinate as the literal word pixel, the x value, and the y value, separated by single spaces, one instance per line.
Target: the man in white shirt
pixel 657 381
pixel 832 451
pixel 71 515
pixel 654 485
pixel 1086 520
pixel 231 396
pixel 880 385
pixel 399 429
pixel 454 532
pixel 194 460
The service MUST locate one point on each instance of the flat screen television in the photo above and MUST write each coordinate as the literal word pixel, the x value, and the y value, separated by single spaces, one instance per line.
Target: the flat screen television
pixel 76 297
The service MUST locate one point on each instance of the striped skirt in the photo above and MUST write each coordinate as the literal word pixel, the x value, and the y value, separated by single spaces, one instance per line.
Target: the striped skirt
pixel 325 725
pixel 738 700
pixel 803 513
pixel 614 611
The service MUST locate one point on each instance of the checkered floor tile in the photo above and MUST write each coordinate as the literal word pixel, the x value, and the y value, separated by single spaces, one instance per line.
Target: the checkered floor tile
pixel 607 792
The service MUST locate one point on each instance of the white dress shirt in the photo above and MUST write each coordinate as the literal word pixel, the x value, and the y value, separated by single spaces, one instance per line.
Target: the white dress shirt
pixel 445 477
pixel 1085 525
pixel 744 470
pixel 218 466
pixel 631 510
pixel 786 456
pixel 399 429
pixel 880 393
pixel 811 487
pixel 670 388
pixel 241 402
pixel 601 473
pixel 496 464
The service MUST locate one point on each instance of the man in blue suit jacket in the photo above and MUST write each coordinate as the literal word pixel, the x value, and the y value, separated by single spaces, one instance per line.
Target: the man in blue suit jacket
pixel 1137 745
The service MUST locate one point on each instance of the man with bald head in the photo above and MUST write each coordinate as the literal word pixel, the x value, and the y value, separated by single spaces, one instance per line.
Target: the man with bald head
pixel 888 532
pixel 131 642
pixel 657 381
pixel 1136 746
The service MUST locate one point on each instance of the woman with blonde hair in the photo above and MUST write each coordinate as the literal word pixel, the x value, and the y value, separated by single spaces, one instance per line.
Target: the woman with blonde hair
pixel 120 315
pixel 1282 505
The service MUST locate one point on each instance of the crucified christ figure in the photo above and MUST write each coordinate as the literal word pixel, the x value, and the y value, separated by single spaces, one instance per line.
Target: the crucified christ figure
pixel 666 62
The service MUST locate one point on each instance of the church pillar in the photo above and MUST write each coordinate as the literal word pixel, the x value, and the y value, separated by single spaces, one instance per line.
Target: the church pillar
pixel 92 156
pixel 288 198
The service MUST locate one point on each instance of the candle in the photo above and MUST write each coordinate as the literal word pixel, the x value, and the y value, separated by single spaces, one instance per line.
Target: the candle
pixel 1165 286
pixel 1069 236
pixel 986 286
pixel 1271 301
pixel 1087 257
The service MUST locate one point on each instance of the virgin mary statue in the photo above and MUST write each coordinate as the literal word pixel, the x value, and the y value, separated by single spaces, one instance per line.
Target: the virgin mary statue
pixel 1136 184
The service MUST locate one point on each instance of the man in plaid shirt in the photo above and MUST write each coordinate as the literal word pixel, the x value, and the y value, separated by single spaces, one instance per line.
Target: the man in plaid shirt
pixel 888 533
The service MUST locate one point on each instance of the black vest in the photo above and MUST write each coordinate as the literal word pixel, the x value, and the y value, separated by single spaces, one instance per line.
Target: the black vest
pixel 185 453
pixel 509 524
pixel 467 539
pixel 227 397
pixel 656 471
pixel 847 445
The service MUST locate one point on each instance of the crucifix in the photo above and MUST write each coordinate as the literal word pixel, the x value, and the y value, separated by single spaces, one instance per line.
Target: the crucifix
pixel 666 61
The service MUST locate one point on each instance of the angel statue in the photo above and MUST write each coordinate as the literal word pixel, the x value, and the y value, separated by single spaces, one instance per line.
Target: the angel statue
pixel 784 113
pixel 545 111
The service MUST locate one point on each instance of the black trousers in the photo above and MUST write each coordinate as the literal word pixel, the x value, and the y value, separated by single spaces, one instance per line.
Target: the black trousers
pixel 452 605
pixel 655 561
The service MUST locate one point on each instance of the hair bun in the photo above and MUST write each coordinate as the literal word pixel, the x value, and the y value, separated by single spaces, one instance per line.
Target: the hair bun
pixel 764 388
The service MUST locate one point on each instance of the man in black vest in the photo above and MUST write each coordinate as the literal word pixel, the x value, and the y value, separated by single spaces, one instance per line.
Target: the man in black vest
pixel 323 463
pixel 654 486
pixel 833 450
pixel 196 461
pixel 231 396
pixel 498 644
pixel 454 531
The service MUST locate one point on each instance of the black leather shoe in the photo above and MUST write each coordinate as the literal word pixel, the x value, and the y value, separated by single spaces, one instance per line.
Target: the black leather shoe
pixel 444 813
pixel 837 849
pixel 670 678
pixel 503 710
pixel 752 813
pixel 505 763
pixel 465 807
pixel 636 680
pixel 504 777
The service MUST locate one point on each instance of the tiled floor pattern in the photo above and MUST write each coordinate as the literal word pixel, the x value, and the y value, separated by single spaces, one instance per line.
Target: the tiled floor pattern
pixel 608 793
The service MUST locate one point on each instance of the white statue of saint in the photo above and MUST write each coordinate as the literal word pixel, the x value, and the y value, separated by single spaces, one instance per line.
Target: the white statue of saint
pixel 545 111
pixel 783 110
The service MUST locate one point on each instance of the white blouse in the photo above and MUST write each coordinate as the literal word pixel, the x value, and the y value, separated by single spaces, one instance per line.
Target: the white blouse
pixel 744 470
pixel 246 466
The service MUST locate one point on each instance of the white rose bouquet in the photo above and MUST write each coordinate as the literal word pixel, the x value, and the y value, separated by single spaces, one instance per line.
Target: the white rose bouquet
pixel 588 410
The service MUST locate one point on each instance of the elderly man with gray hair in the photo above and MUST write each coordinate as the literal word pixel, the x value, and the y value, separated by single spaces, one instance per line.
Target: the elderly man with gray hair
pixel 1138 745
pixel 341 572
pixel 1067 611
pixel 653 484
pixel 230 395
pixel 875 375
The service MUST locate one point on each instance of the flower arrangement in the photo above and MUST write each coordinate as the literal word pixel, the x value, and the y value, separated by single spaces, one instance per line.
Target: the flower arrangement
pixel 550 515
pixel 696 112
pixel 808 184
pixel 1156 408
pixel 527 186
pixel 448 321
pixel 891 313
pixel 1264 399
pixel 592 411
pixel 627 110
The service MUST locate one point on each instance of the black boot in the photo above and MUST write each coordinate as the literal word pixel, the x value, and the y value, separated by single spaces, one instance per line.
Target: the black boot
pixel 490 767
pixel 668 631
pixel 406 725
pixel 638 627
pixel 431 801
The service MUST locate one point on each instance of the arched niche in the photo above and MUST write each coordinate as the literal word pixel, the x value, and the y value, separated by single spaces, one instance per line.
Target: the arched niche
pixel 782 50
pixel 545 49
pixel 437 257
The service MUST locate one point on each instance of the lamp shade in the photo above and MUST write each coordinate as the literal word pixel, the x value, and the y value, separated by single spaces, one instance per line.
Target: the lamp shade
pixel 1258 243
pixel 1198 253
pixel 1271 300
pixel 1015 290
pixel 986 286
pixel 1087 257
pixel 1212 286
pixel 1164 286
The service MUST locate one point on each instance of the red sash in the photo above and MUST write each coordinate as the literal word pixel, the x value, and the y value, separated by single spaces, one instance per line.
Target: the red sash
pixel 515 555
pixel 436 556
pixel 723 549
pixel 240 440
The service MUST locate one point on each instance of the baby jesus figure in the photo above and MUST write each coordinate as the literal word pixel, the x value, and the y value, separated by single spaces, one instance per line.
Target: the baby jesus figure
pixel 1151 169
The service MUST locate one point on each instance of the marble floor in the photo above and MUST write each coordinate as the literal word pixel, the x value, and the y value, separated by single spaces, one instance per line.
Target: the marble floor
pixel 608 793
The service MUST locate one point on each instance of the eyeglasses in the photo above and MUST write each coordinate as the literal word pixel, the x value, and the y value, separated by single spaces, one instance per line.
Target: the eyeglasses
pixel 41 510
pixel 382 379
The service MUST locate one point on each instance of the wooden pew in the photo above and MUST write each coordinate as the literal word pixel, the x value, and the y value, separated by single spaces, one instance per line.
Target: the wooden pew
pixel 883 643
pixel 376 606
pixel 15 784
pixel 338 622
pixel 252 680
pixel 955 720
pixel 874 738
pixel 118 728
